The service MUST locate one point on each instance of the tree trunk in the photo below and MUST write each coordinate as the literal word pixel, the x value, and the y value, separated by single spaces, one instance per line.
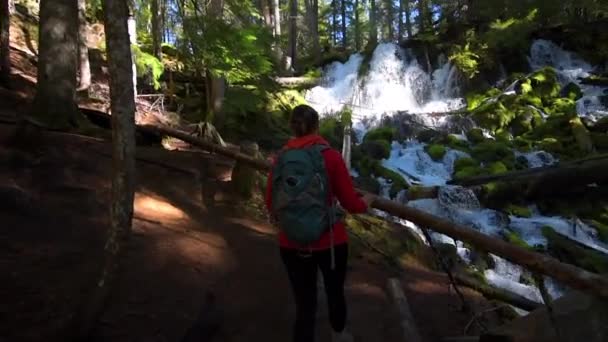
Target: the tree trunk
pixel 408 20
pixel 373 30
pixel 216 87
pixel 5 61
pixel 357 27
pixel 156 29
pixel 293 32
pixel 344 40
pixel 123 154
pixel 83 50
pixel 266 13
pixel 421 14
pixel 400 24
pixel 277 19
pixel 54 104
pixel 132 28
pixel 312 13
pixel 334 22
pixel 390 17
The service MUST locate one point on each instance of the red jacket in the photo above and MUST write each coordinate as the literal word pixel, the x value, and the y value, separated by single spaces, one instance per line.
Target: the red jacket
pixel 342 189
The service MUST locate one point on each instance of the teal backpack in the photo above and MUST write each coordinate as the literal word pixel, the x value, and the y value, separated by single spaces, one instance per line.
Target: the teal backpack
pixel 300 190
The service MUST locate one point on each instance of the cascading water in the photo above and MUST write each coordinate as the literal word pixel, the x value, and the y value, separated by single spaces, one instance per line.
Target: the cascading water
pixel 396 83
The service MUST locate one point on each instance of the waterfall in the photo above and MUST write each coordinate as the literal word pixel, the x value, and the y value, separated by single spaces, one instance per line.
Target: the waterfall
pixel 395 86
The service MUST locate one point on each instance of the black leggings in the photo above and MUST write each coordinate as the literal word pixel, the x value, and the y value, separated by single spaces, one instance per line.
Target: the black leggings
pixel 302 271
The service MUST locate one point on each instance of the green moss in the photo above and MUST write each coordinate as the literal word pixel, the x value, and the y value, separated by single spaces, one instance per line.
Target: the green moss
pixel 561 106
pixel 493 116
pixel 514 238
pixel 474 100
pixel 572 252
pixel 475 135
pixel 455 143
pixel 467 172
pixel 551 145
pixel 530 99
pixel 581 134
pixel 461 163
pixel 544 83
pixel 376 149
pixel 490 151
pixel 435 151
pixel 572 91
pixel 332 130
pixel 381 133
pixel 398 183
pixel 517 210
pixel 368 184
pixel 497 168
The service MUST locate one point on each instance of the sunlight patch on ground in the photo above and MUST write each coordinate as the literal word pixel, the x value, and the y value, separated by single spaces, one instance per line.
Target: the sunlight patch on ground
pixel 155 208
pixel 201 252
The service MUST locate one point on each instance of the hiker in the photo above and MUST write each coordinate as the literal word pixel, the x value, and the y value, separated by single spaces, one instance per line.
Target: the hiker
pixel 307 178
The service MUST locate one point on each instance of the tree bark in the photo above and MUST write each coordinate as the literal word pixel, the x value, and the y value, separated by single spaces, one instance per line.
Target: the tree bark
pixel 216 87
pixel 5 62
pixel 132 29
pixel 334 22
pixel 293 32
pixel 344 39
pixel 155 18
pixel 266 13
pixel 277 19
pixel 123 154
pixel 400 24
pixel 357 27
pixel 408 20
pixel 83 50
pixel 54 103
pixel 373 29
pixel 312 13
pixel 390 17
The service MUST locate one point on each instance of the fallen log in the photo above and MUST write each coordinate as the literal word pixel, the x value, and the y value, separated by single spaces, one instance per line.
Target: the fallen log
pixel 565 273
pixel 496 293
pixel 550 178
pixel 298 81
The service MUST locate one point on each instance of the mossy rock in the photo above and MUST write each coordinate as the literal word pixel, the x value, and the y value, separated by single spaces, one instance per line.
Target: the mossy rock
pixel 493 116
pixel 497 168
pixel 332 130
pixel 553 127
pixel 376 149
pixel 551 145
pixel 491 151
pixel 381 133
pixel 468 172
pixel 514 238
pixel 429 135
pixel 544 83
pixel 398 183
pixel 454 142
pixel 561 106
pixel 519 211
pixel 481 260
pixel 461 163
pixel 522 144
pixel 435 151
pixel 530 99
pixel 449 255
pixel 581 134
pixel 474 100
pixel 475 135
pixel 368 184
pixel 366 166
pixel 572 91
pixel 573 252
pixel 525 121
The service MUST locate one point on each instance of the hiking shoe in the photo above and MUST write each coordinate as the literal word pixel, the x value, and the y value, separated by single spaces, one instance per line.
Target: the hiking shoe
pixel 343 336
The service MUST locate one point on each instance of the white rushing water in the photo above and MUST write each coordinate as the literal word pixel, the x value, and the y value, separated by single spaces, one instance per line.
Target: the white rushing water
pixel 396 83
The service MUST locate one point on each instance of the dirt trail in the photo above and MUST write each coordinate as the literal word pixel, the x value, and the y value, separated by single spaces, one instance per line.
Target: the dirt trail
pixel 189 237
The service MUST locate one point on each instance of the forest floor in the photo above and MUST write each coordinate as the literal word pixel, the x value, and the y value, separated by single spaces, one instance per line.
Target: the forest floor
pixel 190 235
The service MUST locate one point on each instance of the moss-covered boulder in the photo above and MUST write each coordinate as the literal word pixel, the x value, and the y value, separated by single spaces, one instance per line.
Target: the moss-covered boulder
pixel 551 145
pixel 376 149
pixel 461 163
pixel 493 116
pixel 381 133
pixel 525 120
pixel 332 130
pixel 517 210
pixel 397 182
pixel 514 238
pixel 368 184
pixel 491 151
pixel 474 100
pixel 435 151
pixel 544 83
pixel 561 106
pixel 475 135
pixel 497 168
pixel 575 253
pixel 456 143
pixel 429 135
pixel 572 91
pixel 581 134
pixel 468 172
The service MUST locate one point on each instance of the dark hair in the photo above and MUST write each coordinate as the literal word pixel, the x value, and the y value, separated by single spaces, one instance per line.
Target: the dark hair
pixel 304 120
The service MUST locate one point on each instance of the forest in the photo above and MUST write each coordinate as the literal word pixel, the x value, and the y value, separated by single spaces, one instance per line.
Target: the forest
pixel 137 134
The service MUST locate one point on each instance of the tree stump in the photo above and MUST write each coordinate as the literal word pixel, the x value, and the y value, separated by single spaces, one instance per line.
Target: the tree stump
pixel 244 177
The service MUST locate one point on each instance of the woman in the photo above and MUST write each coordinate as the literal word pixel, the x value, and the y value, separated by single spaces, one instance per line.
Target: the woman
pixel 330 252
